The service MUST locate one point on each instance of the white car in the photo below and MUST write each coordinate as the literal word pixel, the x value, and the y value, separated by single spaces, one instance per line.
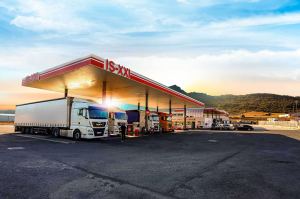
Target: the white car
pixel 228 127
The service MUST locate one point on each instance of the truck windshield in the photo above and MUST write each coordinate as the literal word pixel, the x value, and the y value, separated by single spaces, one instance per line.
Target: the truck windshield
pixel 98 112
pixel 120 116
pixel 133 116
pixel 154 118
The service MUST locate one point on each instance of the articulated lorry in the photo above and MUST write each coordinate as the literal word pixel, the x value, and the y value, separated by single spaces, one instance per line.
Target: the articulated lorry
pixel 165 121
pixel 136 121
pixel 117 118
pixel 70 117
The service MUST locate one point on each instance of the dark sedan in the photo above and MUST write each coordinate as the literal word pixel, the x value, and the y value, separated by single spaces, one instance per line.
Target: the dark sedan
pixel 245 127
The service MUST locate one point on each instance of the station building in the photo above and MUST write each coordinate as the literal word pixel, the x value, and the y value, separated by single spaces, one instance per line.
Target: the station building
pixel 213 115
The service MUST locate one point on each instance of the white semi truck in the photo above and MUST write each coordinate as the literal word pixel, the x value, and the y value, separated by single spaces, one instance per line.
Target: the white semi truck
pixel 137 122
pixel 70 117
pixel 117 118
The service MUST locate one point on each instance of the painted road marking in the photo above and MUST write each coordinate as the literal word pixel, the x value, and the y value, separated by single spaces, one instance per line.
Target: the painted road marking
pixel 46 139
pixel 213 140
pixel 16 148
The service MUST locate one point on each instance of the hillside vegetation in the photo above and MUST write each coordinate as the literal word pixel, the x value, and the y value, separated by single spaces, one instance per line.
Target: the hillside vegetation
pixel 7 111
pixel 237 104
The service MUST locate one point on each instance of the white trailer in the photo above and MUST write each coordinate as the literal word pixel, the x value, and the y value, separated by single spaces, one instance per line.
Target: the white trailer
pixel 70 117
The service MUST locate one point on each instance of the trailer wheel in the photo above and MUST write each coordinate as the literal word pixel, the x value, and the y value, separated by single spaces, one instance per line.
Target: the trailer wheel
pixel 77 135
pixel 27 130
pixel 56 132
pixel 23 130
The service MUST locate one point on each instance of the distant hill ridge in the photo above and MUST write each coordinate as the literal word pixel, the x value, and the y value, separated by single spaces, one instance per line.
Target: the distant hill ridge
pixel 7 111
pixel 237 104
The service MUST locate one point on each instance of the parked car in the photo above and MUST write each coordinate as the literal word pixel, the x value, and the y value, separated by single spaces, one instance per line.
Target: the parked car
pixel 216 126
pixel 228 127
pixel 245 127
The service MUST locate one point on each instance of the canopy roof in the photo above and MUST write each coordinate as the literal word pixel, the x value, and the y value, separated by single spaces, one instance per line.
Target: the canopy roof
pixel 85 77
pixel 215 111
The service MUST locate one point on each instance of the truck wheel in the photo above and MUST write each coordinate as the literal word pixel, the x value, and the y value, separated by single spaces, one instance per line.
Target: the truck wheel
pixel 56 132
pixel 77 135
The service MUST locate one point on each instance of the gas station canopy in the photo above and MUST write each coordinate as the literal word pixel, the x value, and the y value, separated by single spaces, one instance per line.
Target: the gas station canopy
pixel 95 77
pixel 215 111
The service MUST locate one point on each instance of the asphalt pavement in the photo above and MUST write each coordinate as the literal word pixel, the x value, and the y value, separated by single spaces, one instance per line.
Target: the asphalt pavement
pixel 198 164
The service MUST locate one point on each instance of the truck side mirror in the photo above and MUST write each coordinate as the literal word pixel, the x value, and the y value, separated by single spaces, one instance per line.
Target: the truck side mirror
pixel 85 115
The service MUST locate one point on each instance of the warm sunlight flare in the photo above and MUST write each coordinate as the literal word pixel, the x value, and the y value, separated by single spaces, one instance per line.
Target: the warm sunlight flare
pixel 150 99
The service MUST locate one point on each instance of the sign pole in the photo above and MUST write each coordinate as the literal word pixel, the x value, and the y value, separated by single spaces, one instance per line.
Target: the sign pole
pixel 184 117
pixel 146 111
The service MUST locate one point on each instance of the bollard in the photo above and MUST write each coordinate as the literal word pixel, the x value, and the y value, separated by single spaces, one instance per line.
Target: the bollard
pixel 136 132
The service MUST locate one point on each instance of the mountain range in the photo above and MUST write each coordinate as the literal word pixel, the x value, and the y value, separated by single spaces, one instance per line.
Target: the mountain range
pixel 238 104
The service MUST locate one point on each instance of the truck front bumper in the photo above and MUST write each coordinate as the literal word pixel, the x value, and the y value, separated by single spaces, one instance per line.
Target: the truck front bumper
pixel 95 133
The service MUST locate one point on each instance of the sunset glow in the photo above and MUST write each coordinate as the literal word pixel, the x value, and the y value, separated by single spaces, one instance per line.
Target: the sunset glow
pixel 238 47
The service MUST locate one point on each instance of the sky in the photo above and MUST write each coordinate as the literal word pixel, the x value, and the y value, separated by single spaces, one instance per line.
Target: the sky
pixel 210 46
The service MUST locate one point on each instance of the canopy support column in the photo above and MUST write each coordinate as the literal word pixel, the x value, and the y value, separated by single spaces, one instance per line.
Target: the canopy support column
pixel 139 106
pixel 66 92
pixel 184 117
pixel 157 109
pixel 170 107
pixel 103 92
pixel 146 111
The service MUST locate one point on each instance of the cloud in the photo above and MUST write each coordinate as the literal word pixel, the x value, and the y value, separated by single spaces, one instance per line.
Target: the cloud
pixel 30 59
pixel 281 19
pixel 48 16
pixel 236 72
pixel 160 26
pixel 182 1
pixel 42 24
pixel 208 3
pixel 173 43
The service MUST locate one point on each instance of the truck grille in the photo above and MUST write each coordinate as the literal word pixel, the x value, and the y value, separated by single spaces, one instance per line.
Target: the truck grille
pixel 121 123
pixel 99 132
pixel 99 124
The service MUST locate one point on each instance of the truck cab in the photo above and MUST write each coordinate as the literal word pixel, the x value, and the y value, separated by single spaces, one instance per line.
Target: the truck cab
pixel 153 122
pixel 117 118
pixel 89 119
pixel 165 121
pixel 137 123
